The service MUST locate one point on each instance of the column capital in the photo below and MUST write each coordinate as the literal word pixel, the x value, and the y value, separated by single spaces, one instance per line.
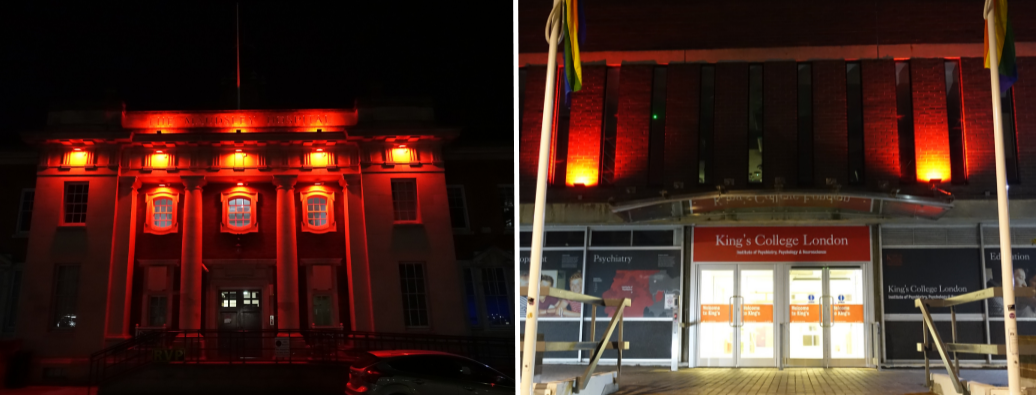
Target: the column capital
pixel 286 181
pixel 193 182
pixel 130 181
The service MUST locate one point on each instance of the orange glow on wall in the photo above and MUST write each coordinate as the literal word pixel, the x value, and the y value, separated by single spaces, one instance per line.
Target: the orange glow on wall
pixel 78 158
pixel 318 159
pixel 932 149
pixel 231 121
pixel 159 161
pixel 581 175
pixel 401 155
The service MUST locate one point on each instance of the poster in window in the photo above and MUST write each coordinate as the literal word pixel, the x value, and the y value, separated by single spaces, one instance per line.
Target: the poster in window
pixel 929 273
pixel 1023 260
pixel 559 269
pixel 644 276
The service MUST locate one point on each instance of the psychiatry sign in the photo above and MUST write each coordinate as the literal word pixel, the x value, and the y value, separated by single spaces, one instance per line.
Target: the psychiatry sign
pixel 782 244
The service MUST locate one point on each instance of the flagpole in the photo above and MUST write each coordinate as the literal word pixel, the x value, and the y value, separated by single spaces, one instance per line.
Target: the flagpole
pixel 533 310
pixel 1006 264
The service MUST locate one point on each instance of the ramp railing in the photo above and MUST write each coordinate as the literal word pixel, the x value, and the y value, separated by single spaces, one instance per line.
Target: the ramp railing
pixel 596 347
pixel 931 335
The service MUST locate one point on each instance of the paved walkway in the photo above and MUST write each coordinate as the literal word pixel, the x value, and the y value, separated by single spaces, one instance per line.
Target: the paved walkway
pixel 643 380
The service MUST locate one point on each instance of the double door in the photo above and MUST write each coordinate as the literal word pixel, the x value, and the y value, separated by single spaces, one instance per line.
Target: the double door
pixel 768 315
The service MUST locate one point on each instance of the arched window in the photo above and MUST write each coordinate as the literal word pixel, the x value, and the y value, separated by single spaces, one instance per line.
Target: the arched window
pixel 239 211
pixel 318 213
pixel 161 212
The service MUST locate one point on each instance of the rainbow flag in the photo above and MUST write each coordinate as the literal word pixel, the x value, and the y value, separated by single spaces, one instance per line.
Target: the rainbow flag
pixel 571 24
pixel 1008 69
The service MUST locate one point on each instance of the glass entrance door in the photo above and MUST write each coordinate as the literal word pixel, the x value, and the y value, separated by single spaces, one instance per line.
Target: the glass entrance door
pixel 736 325
pixel 826 317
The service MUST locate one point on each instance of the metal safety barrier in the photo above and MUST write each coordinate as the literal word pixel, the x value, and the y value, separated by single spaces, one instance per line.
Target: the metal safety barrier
pixel 596 347
pixel 931 335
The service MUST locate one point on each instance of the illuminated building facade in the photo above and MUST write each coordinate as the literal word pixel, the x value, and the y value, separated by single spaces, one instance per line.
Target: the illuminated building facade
pixel 235 220
pixel 876 184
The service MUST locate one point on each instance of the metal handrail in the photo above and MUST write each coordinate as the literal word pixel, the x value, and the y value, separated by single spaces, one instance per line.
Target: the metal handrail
pixel 597 347
pixel 928 329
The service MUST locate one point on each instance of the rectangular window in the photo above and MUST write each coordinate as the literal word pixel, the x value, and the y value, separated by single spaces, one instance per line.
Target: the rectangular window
pixel 404 199
pixel 656 136
pixel 563 239
pixel 66 292
pixel 75 202
pixel 1010 136
pixel 494 288
pixel 755 124
pixel 559 149
pixel 854 116
pixel 25 209
pixel 805 124
pixel 322 310
pixel 705 123
pixel 955 123
pixel 412 285
pixel 905 116
pixel 458 206
pixel 471 297
pixel 156 310
pixel 610 125
pixel 507 201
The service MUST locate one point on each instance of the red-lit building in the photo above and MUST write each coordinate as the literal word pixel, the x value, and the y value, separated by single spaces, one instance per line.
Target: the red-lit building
pixel 235 220
pixel 876 185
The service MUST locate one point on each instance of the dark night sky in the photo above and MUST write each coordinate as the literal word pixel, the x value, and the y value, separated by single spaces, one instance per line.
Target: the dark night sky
pixel 180 56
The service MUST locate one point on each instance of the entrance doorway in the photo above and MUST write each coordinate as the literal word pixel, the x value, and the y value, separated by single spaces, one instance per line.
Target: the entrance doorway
pixel 737 315
pixel 826 317
pixel 239 314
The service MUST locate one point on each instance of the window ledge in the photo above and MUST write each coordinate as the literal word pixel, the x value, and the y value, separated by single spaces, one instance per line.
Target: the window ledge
pixel 72 226
pixel 408 223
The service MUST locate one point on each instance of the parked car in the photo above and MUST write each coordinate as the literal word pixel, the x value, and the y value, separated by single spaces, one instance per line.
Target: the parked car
pixel 416 372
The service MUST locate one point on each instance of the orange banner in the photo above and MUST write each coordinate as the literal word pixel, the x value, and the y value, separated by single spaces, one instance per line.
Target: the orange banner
pixel 805 313
pixel 757 313
pixel 715 313
pixel 847 313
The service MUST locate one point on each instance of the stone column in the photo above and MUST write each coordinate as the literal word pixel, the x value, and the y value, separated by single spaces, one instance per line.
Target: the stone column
pixel 287 257
pixel 190 261
pixel 120 291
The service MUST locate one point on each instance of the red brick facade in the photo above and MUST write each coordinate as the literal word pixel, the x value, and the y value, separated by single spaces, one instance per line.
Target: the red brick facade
pixel 978 124
pixel 584 130
pixel 632 134
pixel 532 121
pixel 830 133
pixel 731 136
pixel 931 136
pixel 1025 126
pixel 880 131
pixel 681 125
pixel 780 121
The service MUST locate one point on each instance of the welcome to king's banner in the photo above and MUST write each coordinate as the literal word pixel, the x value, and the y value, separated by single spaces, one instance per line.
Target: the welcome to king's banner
pixel 782 244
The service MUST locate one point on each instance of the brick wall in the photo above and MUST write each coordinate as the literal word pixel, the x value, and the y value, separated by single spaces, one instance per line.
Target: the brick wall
pixel 880 132
pixel 730 153
pixel 830 126
pixel 529 138
pixel 931 133
pixel 978 124
pixel 1025 103
pixel 632 135
pixel 584 130
pixel 780 123
pixel 683 93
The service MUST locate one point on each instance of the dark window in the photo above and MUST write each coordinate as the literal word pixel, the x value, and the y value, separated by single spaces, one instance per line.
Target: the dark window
pixel 525 239
pixel 494 288
pixel 805 124
pixel 415 307
pixel 705 123
pixel 609 238
pixel 156 310
pixel 1010 136
pixel 609 128
pixel 507 201
pixel 75 202
pixel 559 150
pixel 322 310
pixel 954 122
pixel 458 208
pixel 905 117
pixel 755 124
pixel 854 115
pixel 656 137
pixel 25 210
pixel 11 310
pixel 563 239
pixel 471 297
pixel 404 199
pixel 653 238
pixel 66 295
